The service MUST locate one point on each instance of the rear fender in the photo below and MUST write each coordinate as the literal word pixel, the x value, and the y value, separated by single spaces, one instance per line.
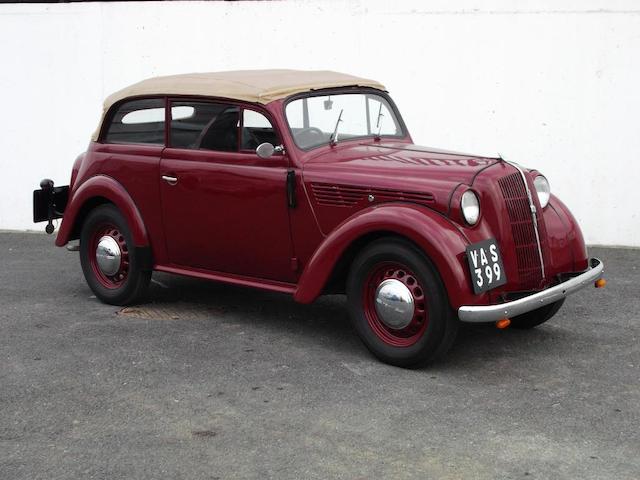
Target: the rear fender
pixel 438 238
pixel 101 186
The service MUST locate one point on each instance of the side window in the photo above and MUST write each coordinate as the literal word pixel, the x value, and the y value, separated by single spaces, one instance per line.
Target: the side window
pixel 138 121
pixel 256 129
pixel 204 126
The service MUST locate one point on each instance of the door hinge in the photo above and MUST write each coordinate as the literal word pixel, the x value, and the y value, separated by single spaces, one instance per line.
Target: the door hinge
pixel 291 189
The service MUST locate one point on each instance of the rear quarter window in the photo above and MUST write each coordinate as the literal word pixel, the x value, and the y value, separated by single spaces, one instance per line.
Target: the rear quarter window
pixel 137 121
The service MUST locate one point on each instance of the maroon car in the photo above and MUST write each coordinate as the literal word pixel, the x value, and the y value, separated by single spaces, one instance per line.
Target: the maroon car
pixel 308 183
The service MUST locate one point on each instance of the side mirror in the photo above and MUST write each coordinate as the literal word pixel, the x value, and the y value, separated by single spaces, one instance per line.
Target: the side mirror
pixel 265 150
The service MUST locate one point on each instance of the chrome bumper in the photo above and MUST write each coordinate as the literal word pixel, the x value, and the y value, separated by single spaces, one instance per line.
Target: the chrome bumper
pixel 491 313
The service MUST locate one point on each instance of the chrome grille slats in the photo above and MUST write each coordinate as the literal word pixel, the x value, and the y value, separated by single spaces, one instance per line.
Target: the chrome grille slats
pixel 328 194
pixel 522 229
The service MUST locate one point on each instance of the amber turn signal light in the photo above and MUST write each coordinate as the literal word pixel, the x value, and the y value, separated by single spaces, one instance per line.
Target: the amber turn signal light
pixel 600 283
pixel 503 323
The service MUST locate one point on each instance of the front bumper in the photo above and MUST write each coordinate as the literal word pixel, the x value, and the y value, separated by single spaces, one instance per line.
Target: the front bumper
pixel 492 313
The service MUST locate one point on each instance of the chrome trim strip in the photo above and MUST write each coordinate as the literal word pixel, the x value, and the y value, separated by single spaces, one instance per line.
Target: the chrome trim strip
pixel 534 217
pixel 491 313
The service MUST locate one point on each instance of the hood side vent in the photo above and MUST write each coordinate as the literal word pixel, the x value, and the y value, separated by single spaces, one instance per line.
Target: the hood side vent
pixel 347 195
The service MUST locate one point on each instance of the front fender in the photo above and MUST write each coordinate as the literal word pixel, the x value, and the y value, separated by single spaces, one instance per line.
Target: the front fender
pixel 102 186
pixel 568 236
pixel 440 240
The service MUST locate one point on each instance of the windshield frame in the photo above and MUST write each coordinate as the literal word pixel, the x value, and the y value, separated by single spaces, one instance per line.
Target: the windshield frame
pixel 345 90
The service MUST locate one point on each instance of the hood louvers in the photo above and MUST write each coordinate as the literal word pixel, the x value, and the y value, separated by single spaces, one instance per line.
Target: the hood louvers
pixel 347 195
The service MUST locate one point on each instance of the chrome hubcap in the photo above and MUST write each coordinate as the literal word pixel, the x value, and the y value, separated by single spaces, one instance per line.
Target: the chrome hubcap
pixel 108 255
pixel 394 303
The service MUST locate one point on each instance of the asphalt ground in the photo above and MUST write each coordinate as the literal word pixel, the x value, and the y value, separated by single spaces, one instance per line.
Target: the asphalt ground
pixel 214 381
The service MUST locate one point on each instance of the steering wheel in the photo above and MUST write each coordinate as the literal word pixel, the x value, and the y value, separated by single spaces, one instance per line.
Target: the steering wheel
pixel 306 136
pixel 315 130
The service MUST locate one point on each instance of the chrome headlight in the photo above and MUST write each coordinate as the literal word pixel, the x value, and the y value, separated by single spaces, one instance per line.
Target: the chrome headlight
pixel 470 207
pixel 543 189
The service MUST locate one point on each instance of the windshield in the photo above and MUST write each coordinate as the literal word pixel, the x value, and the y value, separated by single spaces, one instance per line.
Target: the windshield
pixel 318 120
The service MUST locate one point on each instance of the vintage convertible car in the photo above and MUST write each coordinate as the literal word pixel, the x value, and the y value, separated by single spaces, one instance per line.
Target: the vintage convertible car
pixel 308 182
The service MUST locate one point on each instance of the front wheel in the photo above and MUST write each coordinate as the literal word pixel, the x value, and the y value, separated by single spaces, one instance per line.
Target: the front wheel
pixel 398 304
pixel 109 260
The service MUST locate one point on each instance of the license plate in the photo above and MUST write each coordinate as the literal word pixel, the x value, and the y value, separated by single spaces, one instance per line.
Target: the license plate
pixel 485 265
pixel 56 198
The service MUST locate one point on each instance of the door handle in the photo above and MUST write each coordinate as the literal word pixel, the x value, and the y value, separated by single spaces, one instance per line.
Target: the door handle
pixel 170 179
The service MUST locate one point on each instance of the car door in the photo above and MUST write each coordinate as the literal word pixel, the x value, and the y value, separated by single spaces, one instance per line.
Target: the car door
pixel 224 208
pixel 130 151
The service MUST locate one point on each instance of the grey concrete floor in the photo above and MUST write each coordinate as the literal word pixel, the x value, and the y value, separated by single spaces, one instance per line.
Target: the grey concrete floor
pixel 212 381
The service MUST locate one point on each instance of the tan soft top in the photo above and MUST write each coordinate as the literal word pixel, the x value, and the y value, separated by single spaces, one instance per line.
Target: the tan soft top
pixel 258 86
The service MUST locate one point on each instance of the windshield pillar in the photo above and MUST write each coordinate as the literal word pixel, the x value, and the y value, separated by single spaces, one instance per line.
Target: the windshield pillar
pixel 305 113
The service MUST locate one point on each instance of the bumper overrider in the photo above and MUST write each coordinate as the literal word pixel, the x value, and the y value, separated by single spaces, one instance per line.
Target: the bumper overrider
pixel 492 313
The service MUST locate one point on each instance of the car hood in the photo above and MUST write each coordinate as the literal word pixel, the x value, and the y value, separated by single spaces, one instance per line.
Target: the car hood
pixel 396 166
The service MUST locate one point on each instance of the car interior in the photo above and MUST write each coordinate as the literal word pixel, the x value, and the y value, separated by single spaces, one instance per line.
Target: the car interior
pixel 216 127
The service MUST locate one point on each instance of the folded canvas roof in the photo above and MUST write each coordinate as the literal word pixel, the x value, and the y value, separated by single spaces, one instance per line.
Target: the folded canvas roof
pixel 258 86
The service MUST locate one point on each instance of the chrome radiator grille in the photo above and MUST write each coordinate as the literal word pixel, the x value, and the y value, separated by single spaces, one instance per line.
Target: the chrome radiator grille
pixel 522 229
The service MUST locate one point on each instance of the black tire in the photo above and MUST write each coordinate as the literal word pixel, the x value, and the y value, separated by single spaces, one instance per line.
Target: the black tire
pixel 438 326
pixel 129 285
pixel 536 317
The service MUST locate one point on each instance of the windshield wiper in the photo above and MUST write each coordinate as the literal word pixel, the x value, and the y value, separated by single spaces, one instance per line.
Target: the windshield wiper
pixel 333 139
pixel 378 123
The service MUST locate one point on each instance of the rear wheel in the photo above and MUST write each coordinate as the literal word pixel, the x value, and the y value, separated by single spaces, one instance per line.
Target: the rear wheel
pixel 536 317
pixel 109 261
pixel 398 305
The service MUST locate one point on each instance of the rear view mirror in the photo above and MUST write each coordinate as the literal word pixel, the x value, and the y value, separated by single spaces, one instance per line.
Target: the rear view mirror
pixel 265 150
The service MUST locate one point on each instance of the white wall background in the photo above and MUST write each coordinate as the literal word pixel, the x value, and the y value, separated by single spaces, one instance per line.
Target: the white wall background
pixel 551 84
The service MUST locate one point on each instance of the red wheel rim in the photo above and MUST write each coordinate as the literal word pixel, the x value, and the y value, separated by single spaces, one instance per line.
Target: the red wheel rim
pixel 117 279
pixel 411 333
